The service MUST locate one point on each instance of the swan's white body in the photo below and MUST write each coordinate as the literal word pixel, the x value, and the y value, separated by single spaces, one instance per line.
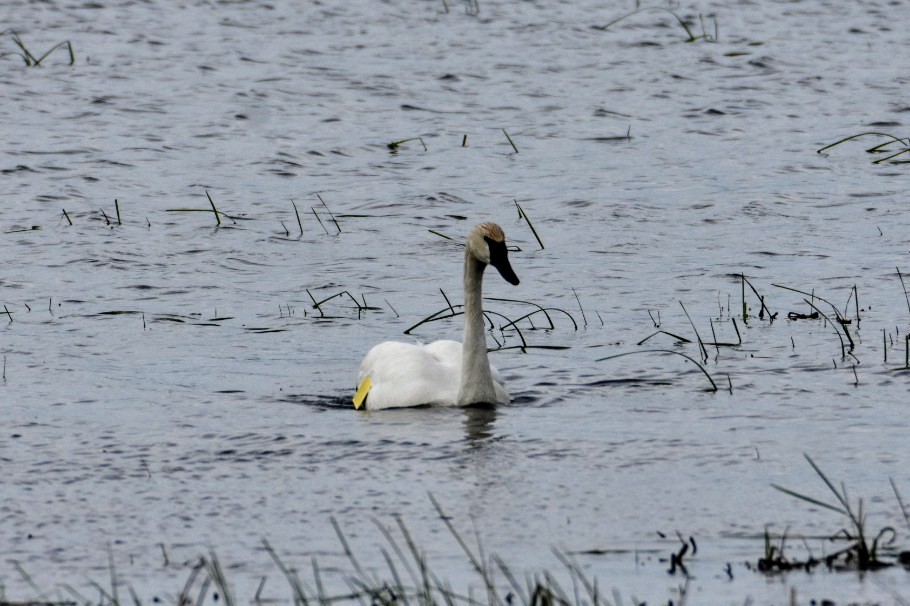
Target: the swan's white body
pixel 410 374
pixel 443 373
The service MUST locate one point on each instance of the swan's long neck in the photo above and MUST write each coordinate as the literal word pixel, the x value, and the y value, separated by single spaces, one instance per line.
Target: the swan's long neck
pixel 476 379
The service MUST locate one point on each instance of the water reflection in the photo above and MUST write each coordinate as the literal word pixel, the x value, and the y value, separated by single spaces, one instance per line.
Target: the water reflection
pixel 478 422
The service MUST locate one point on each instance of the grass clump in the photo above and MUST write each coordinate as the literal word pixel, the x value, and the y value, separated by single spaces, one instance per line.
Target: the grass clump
pixel 865 550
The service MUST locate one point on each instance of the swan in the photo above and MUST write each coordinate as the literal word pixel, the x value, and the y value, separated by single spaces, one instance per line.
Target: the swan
pixel 443 373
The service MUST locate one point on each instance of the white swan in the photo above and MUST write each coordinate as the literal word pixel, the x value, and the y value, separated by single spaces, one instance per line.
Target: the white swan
pixel 395 375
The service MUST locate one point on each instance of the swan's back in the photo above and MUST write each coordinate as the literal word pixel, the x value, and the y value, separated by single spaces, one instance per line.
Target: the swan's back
pixel 406 374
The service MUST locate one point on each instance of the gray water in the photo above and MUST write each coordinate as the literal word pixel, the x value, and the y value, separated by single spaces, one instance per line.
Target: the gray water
pixel 169 389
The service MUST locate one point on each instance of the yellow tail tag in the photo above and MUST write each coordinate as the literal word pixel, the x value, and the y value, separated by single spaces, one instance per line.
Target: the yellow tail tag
pixel 362 392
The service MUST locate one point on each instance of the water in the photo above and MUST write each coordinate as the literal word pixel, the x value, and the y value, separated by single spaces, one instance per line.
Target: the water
pixel 169 389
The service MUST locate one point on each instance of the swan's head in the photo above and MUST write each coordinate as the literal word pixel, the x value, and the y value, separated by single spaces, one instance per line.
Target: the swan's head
pixel 487 243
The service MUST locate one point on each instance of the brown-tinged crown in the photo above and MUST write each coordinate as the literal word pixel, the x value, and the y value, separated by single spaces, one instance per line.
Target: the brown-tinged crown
pixel 491 231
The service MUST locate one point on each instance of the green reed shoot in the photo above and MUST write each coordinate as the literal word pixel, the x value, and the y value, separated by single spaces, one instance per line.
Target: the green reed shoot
pixel 117 208
pixel 512 143
pixel 30 59
pixel 449 303
pixel 762 309
pixel 701 344
pixel 334 220
pixel 877 149
pixel 315 304
pixel 214 210
pixel 441 235
pixel 297 214
pixel 745 307
pixel 717 344
pixel 321 224
pixel 68 220
pixel 854 296
pixel 523 215
pixel 843 351
pixel 580 308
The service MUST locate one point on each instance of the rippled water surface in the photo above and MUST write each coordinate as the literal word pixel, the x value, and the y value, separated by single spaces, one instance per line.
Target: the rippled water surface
pixel 170 390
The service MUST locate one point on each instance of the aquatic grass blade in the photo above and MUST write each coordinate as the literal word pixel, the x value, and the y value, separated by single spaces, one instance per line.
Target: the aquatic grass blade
pixel 216 574
pixel 347 549
pixel 523 215
pixel 892 138
pixel 512 143
pixel 808 499
pixel 214 210
pixel 664 351
pixel 680 20
pixel 300 592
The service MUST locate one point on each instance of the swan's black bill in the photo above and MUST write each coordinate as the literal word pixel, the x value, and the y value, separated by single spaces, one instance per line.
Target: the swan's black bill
pixel 499 258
